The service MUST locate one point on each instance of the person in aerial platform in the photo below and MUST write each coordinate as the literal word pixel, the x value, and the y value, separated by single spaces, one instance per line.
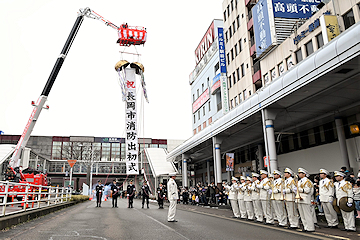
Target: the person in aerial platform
pixel 130 193
pixel 145 192
pixel 99 192
pixel 161 195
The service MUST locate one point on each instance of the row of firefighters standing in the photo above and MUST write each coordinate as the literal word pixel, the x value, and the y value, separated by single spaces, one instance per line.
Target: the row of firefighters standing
pixel 130 193
pixel 258 197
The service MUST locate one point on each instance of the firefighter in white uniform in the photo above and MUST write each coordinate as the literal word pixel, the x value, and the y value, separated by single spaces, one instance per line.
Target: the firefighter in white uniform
pixel 233 192
pixel 306 190
pixel 265 191
pixel 289 192
pixel 240 198
pixel 278 201
pixel 326 195
pixel 247 199
pixel 255 197
pixel 344 189
pixel 172 191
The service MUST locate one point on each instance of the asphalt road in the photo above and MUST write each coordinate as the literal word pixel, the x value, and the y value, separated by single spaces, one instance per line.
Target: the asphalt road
pixel 85 221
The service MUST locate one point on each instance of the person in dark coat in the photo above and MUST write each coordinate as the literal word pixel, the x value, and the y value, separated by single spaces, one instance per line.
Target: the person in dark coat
pixel 145 192
pixel 115 193
pixel 161 193
pixel 99 192
pixel 130 193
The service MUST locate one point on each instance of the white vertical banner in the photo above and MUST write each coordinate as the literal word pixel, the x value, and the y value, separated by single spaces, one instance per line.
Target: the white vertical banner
pixel 131 139
pixel 224 94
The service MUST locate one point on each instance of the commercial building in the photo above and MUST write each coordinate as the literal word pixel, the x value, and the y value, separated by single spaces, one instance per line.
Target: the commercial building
pixel 209 95
pixel 301 77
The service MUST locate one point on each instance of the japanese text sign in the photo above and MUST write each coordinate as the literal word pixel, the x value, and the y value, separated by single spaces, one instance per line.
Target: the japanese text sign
pixel 294 8
pixel 262 32
pixel 221 50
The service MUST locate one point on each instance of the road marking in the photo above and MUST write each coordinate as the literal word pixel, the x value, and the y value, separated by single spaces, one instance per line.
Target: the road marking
pixel 319 235
pixel 171 229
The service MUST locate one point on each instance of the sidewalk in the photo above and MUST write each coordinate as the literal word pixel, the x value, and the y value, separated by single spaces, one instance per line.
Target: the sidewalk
pixel 226 212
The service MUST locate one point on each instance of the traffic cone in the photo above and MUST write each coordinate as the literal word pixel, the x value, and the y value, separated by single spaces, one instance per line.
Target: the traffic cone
pixel 23 202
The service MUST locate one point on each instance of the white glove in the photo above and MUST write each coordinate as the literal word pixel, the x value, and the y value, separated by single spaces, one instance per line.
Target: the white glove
pixel 350 200
pixel 349 204
pixel 284 191
pixel 294 189
pixel 258 186
pixel 301 190
pixel 330 201
pixel 269 191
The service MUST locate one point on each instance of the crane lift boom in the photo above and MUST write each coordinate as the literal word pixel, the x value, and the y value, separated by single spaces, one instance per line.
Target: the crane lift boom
pixel 127 36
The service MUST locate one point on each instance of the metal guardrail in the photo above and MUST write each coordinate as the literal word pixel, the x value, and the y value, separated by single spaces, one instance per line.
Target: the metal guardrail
pixel 33 197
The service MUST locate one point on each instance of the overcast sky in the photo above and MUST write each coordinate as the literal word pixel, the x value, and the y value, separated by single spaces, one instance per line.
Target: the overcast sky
pixel 86 97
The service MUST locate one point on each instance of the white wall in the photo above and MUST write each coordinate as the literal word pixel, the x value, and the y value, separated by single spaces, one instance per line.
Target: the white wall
pixel 325 156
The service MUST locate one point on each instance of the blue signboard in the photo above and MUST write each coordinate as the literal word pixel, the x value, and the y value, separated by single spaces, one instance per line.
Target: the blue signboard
pixel 216 78
pixel 261 27
pixel 295 8
pixel 221 50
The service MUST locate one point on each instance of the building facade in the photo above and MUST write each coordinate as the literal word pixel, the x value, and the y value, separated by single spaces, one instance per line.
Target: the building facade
pixel 206 90
pixel 301 81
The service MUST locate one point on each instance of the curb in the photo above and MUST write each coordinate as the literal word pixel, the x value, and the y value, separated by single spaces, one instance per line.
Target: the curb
pixel 11 220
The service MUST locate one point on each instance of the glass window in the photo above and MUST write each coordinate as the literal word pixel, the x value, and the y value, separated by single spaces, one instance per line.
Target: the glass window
pixel 349 19
pixel 236 101
pixel 216 68
pixel 234 28
pixel 240 45
pixel 244 94
pixel 225 16
pixel 320 40
pixel 56 150
pixel 232 54
pixel 240 98
pixel 298 55
pixel 266 78
pixel 194 119
pixel 242 70
pixel 236 49
pixel 198 93
pixel 230 83
pixel 238 73
pixel 105 152
pixel 202 88
pixel 231 103
pixel 230 32
pixel 209 106
pixel 289 62
pixel 273 74
pixel 238 21
pixel 204 110
pixel 228 58
pixel 309 48
pixel 199 115
pixel 281 69
pixel 115 152
pixel 234 77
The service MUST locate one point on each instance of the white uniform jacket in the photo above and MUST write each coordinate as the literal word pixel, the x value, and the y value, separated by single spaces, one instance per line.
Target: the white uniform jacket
pixel 306 190
pixel 344 189
pixel 264 187
pixel 255 192
pixel 240 195
pixel 326 190
pixel 289 185
pixel 247 192
pixel 233 191
pixel 278 188
pixel 172 190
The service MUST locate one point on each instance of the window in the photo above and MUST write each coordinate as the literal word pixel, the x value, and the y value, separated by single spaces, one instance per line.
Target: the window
pixel 242 70
pixel 216 68
pixel 225 16
pixel 244 94
pixel 193 97
pixel 209 106
pixel 320 40
pixel 199 115
pixel 240 45
pixel 230 31
pixel 289 62
pixel 232 5
pixel 236 49
pixel 309 48
pixel 230 84
pixel 232 103
pixel 226 37
pixel 208 82
pixel 349 19
pixel 238 73
pixel 240 98
pixel 266 78
pixel 204 110
pixel 202 88
pixel 228 58
pixel 228 11
pixel 234 28
pixel 298 55
pixel 249 93
pixel 232 54
pixel 197 93
pixel 238 21
pixel 236 101
pixel 281 69
pixel 194 119
pixel 273 74
pixel 234 77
